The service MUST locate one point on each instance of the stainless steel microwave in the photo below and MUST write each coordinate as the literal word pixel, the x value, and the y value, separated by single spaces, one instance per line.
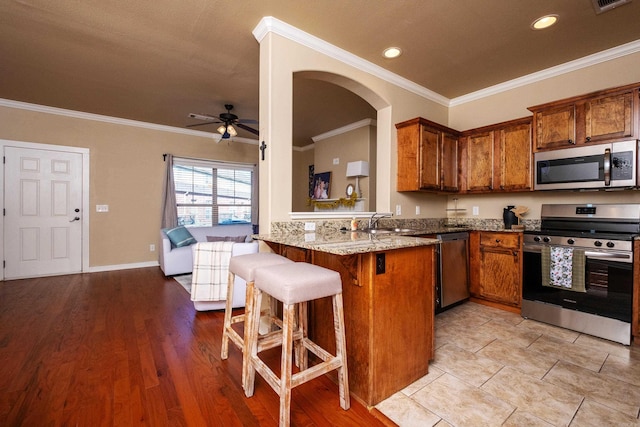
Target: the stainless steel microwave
pixel 599 166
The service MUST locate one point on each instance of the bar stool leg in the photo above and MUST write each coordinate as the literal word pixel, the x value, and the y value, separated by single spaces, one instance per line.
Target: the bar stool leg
pixel 288 324
pixel 251 342
pixel 341 350
pixel 224 351
pixel 249 334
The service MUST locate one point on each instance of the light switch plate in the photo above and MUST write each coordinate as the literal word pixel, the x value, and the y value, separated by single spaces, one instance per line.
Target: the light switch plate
pixel 476 210
pixel 102 208
pixel 336 161
pixel 309 226
pixel 398 209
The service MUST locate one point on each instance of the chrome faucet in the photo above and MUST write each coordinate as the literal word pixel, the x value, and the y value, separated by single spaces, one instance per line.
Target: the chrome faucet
pixel 373 221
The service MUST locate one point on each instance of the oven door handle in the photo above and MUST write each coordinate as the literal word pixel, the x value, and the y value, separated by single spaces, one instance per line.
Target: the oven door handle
pixel 617 256
pixel 609 255
pixel 607 167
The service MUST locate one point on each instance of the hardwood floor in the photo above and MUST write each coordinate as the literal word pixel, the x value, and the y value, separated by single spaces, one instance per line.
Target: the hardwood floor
pixel 127 348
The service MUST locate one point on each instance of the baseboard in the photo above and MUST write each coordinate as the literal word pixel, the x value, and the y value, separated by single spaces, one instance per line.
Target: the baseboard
pixel 99 268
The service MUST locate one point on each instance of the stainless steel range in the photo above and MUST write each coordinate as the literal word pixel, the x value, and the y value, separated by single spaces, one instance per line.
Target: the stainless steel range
pixel 578 269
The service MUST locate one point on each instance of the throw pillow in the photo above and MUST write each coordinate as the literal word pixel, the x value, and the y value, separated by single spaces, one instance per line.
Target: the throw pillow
pixel 236 239
pixel 180 236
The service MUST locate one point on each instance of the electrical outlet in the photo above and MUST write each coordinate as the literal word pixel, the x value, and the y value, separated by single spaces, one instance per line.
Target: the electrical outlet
pixel 152 248
pixel 417 209
pixel 380 263
pixel 398 209
pixel 476 210
pixel 309 226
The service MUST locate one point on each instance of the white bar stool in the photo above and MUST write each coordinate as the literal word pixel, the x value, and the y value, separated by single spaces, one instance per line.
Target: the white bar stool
pixel 295 284
pixel 245 266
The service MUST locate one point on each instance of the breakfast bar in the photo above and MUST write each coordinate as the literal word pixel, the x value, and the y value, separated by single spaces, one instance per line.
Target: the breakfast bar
pixel 388 290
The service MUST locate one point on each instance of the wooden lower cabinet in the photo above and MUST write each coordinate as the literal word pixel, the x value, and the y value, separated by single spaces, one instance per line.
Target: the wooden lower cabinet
pixel 496 268
pixel 389 318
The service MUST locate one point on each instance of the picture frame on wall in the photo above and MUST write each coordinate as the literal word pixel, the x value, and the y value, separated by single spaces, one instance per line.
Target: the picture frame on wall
pixel 321 185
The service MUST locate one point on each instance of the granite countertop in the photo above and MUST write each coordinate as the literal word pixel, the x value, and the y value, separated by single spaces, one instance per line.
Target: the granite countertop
pixel 347 242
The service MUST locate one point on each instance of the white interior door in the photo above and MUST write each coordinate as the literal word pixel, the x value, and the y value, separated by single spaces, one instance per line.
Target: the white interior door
pixel 43 209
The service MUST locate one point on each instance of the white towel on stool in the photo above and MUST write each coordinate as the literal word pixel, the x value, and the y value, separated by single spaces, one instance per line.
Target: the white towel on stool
pixel 210 271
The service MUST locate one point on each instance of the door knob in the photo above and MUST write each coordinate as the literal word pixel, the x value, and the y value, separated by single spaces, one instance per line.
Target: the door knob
pixel 75 219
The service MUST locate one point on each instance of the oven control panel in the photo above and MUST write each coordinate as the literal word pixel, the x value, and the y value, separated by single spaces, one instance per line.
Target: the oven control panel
pixel 578 242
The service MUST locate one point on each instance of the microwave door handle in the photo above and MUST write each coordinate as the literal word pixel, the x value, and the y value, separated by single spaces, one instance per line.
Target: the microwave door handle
pixel 607 167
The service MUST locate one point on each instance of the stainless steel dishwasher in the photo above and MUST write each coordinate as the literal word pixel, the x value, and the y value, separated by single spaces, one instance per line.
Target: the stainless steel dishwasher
pixel 452 285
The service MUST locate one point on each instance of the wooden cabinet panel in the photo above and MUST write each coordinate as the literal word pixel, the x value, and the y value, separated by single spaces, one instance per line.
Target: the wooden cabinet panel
pixel 497 157
pixel 555 127
pixel 608 117
pixel 499 276
pixel 515 157
pixel 389 317
pixel 496 267
pixel 479 161
pixel 500 240
pixel 427 156
pixel 449 167
pixel 597 117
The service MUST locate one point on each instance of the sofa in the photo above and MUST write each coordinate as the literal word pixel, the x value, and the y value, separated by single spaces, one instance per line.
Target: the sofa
pixel 174 261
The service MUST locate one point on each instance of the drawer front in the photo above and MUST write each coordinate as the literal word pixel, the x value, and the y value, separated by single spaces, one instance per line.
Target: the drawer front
pixel 500 240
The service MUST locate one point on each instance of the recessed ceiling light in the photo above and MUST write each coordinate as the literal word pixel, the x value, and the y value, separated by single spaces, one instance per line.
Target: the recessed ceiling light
pixel 544 22
pixel 392 52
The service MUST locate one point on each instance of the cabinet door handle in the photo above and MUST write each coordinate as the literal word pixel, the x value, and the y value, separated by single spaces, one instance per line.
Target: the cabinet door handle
pixel 497 240
pixel 588 139
pixel 571 141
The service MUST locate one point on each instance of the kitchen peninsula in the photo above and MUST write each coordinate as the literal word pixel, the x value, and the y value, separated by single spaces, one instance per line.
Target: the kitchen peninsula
pixel 388 290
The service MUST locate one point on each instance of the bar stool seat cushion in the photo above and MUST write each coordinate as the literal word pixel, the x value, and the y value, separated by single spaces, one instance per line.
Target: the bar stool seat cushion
pixel 298 282
pixel 245 266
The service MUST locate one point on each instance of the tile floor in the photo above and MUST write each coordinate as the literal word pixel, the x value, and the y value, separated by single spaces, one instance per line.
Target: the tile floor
pixel 494 368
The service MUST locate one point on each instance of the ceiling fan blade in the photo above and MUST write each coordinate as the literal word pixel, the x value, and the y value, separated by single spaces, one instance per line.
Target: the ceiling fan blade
pixel 201 124
pixel 205 117
pixel 247 128
pixel 247 121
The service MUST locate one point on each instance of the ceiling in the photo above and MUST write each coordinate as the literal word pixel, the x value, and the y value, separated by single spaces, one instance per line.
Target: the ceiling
pixel 157 61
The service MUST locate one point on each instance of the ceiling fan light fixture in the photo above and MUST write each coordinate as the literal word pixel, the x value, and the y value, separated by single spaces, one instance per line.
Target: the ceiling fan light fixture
pixel 392 52
pixel 227 131
pixel 544 22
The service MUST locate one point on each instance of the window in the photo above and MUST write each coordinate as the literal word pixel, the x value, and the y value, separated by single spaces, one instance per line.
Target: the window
pixel 212 193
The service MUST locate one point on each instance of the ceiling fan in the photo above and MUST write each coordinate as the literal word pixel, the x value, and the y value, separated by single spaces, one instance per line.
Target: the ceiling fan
pixel 228 120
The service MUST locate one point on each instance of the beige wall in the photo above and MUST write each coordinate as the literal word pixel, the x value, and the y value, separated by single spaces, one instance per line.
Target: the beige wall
pixel 279 59
pixel 126 173
pixel 352 145
pixel 301 162
pixel 513 104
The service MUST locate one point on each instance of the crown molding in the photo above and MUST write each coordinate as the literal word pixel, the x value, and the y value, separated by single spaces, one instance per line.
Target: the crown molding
pixel 270 24
pixel 115 120
pixel 344 129
pixel 588 61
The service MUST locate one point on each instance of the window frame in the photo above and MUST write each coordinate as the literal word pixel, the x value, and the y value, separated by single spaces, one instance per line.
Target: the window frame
pixel 214 165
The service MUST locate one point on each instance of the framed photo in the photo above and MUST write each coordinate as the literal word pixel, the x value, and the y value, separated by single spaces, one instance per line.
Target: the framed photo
pixel 321 185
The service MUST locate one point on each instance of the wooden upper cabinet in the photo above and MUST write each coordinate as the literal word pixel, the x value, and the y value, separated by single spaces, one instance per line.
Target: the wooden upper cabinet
pixel 609 117
pixel 556 127
pixel 497 157
pixel 479 161
pixel 514 141
pixel 449 170
pixel 598 117
pixel 427 156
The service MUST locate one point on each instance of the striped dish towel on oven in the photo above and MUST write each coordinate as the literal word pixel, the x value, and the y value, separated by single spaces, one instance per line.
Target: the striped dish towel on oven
pixel 210 271
pixel 563 268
